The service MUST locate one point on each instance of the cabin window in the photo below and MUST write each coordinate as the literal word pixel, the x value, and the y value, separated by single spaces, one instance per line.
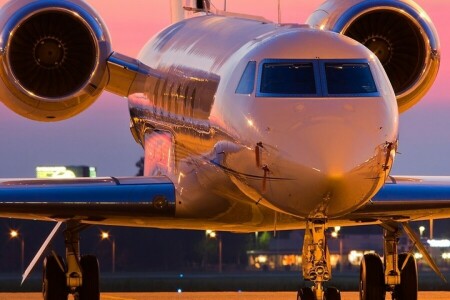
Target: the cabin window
pixel 350 79
pixel 247 82
pixel 288 79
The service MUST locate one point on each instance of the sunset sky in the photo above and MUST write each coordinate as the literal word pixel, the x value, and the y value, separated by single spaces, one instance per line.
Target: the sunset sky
pixel 100 136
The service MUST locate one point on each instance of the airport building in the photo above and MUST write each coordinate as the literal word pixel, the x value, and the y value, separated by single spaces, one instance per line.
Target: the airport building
pixel 346 251
pixel 65 171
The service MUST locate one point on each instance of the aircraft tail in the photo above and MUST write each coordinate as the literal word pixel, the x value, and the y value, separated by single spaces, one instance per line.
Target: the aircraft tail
pixel 176 11
pixel 182 9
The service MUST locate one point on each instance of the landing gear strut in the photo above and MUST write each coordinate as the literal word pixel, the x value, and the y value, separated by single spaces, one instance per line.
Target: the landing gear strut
pixel 76 275
pixel 316 263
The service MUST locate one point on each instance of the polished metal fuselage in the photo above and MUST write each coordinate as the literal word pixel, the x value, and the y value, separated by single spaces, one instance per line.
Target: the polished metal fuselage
pixel 243 161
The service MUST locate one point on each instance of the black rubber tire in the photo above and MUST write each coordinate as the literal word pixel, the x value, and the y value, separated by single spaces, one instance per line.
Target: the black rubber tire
pixel 90 289
pixel 332 293
pixel 407 289
pixel 371 278
pixel 305 293
pixel 54 286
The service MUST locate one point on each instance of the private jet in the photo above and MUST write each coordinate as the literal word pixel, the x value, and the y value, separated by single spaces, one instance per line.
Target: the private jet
pixel 246 125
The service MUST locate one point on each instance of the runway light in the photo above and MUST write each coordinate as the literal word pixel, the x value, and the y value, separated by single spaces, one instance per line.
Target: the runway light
pixel 211 234
pixel 13 233
pixel 418 255
pixel 421 229
pixel 179 291
pixel 105 235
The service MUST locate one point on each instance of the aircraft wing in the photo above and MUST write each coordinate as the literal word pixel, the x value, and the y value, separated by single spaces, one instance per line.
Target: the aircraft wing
pixel 406 198
pixel 99 200
pixel 87 199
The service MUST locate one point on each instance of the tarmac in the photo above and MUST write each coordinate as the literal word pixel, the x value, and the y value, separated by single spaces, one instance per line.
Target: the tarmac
pixel 213 296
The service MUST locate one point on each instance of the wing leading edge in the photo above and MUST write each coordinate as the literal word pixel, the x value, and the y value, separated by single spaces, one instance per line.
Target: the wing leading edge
pixel 87 200
pixel 406 198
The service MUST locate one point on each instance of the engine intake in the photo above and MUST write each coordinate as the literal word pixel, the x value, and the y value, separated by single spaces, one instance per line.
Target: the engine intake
pixel 53 63
pixel 43 48
pixel 399 33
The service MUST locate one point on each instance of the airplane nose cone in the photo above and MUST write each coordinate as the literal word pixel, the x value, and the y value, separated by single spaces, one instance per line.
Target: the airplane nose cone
pixel 332 162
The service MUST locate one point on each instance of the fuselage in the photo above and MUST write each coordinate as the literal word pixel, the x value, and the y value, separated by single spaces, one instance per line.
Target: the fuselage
pixel 297 120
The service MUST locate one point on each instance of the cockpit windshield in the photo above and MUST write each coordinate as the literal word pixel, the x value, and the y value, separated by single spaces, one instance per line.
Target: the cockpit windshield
pixel 315 78
pixel 288 79
pixel 349 78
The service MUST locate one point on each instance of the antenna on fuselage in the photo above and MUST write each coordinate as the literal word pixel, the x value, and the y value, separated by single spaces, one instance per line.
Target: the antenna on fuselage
pixel 279 11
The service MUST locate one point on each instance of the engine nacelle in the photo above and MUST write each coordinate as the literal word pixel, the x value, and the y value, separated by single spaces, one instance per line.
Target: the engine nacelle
pixel 399 32
pixel 52 57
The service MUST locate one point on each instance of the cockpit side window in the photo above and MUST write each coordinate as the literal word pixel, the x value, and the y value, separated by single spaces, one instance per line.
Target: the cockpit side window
pixel 352 79
pixel 247 82
pixel 288 79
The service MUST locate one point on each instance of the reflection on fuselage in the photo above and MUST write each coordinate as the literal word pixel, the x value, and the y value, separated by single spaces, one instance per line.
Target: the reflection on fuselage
pixel 306 131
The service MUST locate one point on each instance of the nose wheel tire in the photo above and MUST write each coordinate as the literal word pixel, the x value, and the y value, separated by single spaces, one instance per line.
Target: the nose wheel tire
pixel 54 280
pixel 407 289
pixel 371 278
pixel 332 293
pixel 90 289
pixel 305 293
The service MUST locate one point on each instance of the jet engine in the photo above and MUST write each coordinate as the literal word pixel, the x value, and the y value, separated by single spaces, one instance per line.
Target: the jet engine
pixel 53 58
pixel 398 32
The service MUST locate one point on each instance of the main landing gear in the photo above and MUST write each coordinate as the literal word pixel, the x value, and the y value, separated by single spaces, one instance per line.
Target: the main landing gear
pixel 75 275
pixel 398 274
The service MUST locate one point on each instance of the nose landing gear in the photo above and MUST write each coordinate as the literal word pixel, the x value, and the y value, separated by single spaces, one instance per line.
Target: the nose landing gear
pixel 307 293
pixel 316 263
